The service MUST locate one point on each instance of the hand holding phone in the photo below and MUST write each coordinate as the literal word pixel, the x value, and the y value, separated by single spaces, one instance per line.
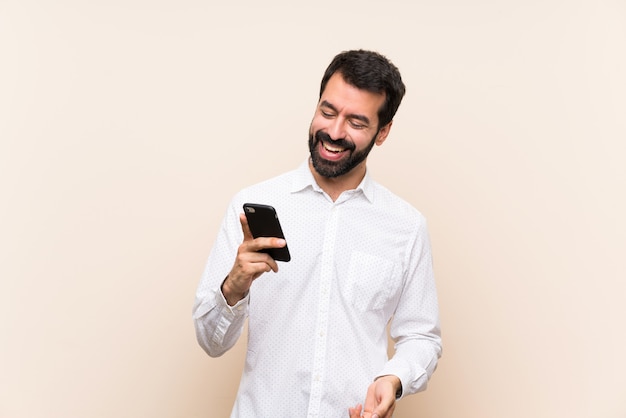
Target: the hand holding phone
pixel 263 222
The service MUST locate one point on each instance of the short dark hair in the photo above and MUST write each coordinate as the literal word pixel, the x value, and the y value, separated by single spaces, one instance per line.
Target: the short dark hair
pixel 371 71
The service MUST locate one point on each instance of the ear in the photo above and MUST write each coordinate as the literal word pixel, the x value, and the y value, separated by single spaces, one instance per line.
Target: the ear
pixel 382 134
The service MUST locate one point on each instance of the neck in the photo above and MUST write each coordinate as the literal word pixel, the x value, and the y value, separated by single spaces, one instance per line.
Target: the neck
pixel 334 186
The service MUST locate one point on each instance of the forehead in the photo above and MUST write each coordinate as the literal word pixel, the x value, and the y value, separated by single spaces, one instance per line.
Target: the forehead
pixel 347 98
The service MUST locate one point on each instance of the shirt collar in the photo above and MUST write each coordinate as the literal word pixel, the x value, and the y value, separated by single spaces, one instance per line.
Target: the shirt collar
pixel 303 178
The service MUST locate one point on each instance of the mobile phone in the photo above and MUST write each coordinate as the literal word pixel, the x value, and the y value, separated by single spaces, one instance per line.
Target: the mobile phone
pixel 263 222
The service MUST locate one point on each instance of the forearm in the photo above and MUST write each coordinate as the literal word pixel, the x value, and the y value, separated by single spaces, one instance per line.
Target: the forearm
pixel 413 362
pixel 218 325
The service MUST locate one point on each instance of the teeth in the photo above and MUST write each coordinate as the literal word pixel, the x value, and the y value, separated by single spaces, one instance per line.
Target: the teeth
pixel 332 149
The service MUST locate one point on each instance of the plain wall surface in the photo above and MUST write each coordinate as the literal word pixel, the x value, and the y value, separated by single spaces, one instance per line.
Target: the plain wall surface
pixel 126 127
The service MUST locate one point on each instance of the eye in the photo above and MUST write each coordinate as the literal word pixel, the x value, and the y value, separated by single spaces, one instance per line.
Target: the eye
pixel 326 114
pixel 357 124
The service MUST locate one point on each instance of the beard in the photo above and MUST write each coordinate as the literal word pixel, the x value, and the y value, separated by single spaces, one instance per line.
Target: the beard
pixel 332 169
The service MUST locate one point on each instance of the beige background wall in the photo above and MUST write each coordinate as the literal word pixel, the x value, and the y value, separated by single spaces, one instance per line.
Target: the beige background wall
pixel 126 126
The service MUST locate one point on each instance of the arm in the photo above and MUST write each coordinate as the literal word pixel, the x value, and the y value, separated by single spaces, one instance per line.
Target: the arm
pixel 221 304
pixel 415 331
pixel 415 327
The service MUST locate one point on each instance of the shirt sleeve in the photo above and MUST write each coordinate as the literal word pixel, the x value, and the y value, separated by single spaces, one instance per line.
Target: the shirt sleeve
pixel 415 328
pixel 218 325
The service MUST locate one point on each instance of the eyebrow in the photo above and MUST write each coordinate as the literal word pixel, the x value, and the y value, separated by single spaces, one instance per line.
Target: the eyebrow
pixel 362 118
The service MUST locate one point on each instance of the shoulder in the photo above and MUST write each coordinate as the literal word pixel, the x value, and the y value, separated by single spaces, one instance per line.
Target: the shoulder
pixel 395 205
pixel 266 191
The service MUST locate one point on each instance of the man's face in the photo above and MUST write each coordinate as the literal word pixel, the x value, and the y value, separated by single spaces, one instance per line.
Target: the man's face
pixel 344 128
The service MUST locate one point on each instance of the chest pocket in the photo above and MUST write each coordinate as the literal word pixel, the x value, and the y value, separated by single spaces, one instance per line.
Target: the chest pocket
pixel 372 281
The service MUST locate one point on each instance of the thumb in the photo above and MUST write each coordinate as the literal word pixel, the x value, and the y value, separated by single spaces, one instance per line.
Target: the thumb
pixel 383 410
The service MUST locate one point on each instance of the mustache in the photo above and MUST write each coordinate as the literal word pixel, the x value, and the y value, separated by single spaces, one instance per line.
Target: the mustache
pixel 341 142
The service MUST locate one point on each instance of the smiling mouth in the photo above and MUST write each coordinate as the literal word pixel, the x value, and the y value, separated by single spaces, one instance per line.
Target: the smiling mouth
pixel 333 149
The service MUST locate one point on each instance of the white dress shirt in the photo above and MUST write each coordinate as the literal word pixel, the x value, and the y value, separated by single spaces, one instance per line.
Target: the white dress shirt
pixel 317 328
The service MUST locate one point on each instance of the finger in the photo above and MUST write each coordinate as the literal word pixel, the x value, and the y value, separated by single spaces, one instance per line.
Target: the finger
pixel 370 399
pixel 257 262
pixel 388 413
pixel 263 243
pixel 384 409
pixel 253 262
pixel 355 412
pixel 247 235
pixel 272 264
pixel 257 246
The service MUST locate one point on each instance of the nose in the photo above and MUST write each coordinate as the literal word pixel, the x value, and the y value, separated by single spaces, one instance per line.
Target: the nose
pixel 336 129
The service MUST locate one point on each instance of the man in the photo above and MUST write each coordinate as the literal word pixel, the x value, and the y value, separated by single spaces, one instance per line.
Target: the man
pixel 317 339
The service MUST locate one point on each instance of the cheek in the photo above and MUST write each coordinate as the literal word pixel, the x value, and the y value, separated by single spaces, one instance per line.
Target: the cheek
pixel 316 124
pixel 361 139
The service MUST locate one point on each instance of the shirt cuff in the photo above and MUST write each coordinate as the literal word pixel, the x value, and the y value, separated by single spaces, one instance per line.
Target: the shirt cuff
pixel 238 309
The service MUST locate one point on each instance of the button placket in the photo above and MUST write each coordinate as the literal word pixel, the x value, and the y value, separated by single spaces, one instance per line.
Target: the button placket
pixel 326 272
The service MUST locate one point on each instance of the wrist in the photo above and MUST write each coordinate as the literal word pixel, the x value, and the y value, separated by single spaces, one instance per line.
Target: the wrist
pixel 395 383
pixel 231 295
